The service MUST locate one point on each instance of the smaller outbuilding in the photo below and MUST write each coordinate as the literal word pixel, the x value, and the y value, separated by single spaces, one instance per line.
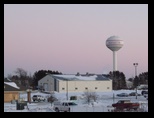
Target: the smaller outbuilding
pixel 11 91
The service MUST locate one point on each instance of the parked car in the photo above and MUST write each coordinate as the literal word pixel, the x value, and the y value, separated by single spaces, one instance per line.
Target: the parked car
pixel 145 95
pixel 123 95
pixel 134 94
pixel 38 98
pixel 64 106
pixel 144 92
pixel 125 104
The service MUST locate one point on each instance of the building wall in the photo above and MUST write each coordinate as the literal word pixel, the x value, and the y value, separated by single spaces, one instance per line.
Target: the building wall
pixel 81 86
pixel 47 80
pixel 76 86
pixel 10 95
pixel 129 84
pixel 57 85
pixel 142 86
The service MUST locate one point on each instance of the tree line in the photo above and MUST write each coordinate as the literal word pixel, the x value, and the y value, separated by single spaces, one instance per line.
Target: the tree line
pixel 21 77
pixel 119 80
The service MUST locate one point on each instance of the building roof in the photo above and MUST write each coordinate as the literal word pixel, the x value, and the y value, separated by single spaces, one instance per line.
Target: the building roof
pixel 81 77
pixel 12 86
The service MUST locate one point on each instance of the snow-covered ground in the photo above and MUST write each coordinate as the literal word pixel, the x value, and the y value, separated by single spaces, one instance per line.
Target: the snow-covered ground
pixel 102 104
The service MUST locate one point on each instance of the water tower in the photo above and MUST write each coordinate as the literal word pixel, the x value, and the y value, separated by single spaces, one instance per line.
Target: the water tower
pixel 114 43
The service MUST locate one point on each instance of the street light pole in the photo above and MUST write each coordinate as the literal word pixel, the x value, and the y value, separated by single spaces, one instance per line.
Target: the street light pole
pixel 136 64
pixel 67 89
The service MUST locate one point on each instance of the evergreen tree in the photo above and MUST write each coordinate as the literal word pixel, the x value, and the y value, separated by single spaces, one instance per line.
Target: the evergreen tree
pixel 118 80
pixel 136 82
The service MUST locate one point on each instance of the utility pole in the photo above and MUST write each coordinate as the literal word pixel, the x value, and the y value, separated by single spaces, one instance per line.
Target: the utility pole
pixel 67 89
pixel 135 65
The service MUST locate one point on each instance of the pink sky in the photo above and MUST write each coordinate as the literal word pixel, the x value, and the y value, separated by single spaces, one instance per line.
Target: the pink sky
pixel 72 38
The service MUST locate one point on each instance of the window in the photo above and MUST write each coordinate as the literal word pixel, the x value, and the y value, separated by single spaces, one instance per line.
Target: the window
pixel 108 87
pixel 76 88
pixel 86 88
pixel 63 88
pixel 95 87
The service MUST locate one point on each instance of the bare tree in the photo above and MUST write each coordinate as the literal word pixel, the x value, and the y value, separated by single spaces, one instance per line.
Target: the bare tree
pixel 94 96
pixel 89 95
pixel 21 72
pixel 52 98
pixel 23 77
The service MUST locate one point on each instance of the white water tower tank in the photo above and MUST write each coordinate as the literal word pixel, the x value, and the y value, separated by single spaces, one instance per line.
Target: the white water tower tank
pixel 114 43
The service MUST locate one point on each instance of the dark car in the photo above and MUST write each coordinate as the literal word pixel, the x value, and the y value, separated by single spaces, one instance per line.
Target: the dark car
pixel 123 95
pixel 134 94
pixel 125 104
pixel 144 92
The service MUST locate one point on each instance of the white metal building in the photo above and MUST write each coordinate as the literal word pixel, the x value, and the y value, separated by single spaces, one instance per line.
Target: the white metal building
pixel 76 83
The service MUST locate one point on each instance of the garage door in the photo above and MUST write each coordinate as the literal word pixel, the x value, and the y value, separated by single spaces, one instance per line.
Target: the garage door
pixel 45 86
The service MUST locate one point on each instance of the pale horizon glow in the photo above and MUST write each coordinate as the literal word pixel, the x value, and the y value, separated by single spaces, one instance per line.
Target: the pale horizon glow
pixel 71 38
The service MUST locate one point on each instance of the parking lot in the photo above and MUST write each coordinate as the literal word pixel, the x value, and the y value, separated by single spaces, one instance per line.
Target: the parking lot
pixel 102 104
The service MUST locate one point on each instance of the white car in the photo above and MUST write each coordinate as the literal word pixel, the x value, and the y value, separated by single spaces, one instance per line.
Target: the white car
pixel 64 106
pixel 38 98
